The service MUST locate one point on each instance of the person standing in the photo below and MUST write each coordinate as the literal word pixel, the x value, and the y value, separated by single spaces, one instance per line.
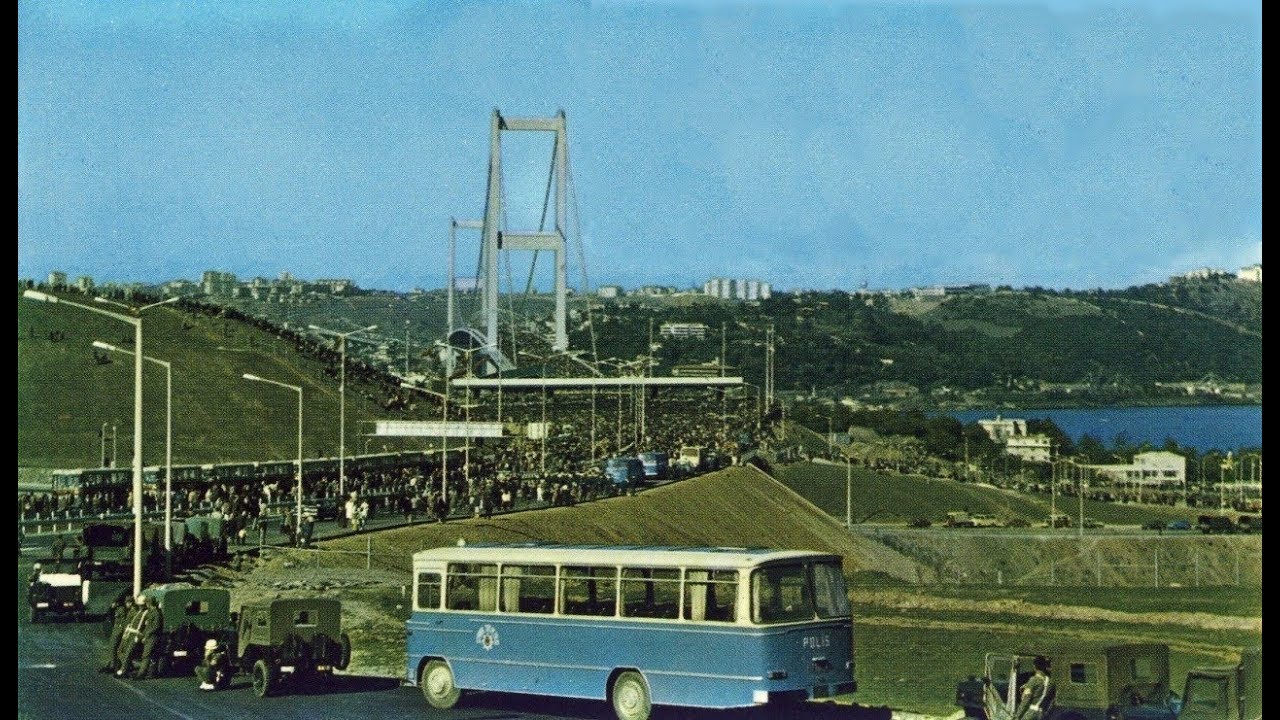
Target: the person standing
pixel 119 615
pixel 151 626
pixel 131 638
pixel 1037 695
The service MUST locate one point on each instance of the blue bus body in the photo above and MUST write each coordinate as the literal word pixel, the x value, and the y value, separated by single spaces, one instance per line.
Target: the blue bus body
pixel 742 657
pixel 656 464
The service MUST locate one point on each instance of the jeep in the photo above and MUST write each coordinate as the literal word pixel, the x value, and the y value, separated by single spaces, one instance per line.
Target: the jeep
pixel 189 616
pixel 286 641
pixel 56 594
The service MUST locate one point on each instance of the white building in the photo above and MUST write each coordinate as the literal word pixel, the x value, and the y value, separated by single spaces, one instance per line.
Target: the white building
pixel 1032 448
pixel 609 292
pixel 1250 273
pixel 1001 429
pixel 682 330
pixel 1156 469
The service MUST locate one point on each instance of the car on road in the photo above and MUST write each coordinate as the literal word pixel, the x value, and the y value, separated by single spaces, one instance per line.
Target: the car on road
pixel 1155 524
pixel 286 641
pixel 56 594
pixel 1178 525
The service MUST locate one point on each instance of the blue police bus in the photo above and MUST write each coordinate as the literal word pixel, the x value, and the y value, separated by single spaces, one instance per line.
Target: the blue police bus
pixel 637 626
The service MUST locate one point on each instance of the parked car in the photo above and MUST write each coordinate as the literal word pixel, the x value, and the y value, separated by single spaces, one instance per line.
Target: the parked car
pixel 1178 525
pixel 189 616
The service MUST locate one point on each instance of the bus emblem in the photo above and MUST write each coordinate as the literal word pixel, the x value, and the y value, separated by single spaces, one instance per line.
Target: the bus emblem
pixel 487 636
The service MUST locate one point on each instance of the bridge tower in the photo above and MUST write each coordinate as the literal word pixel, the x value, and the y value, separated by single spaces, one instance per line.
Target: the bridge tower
pixel 497 237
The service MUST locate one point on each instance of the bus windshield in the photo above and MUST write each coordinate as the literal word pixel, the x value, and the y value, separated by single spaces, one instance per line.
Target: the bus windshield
pixel 796 593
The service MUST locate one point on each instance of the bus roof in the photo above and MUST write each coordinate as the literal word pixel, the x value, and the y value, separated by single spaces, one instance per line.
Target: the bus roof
pixel 649 555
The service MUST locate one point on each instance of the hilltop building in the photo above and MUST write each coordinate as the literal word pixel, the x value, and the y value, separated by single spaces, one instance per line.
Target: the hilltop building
pixel 1012 434
pixel 1157 469
pixel 727 289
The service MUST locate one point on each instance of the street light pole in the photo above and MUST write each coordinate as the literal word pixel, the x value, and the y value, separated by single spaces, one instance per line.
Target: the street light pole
pixel 297 529
pixel 136 321
pixel 168 438
pixel 342 396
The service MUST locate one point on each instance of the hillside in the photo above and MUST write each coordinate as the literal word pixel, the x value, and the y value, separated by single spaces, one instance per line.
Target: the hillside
pixel 889 497
pixel 67 390
pixel 1113 347
pixel 735 507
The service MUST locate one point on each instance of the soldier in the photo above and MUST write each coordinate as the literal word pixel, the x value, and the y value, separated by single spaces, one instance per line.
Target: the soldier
pixel 119 615
pixel 35 574
pixel 150 639
pixel 215 670
pixel 131 638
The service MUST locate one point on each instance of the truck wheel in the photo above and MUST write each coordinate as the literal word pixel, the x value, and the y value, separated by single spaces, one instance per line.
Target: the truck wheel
pixel 264 678
pixel 344 659
pixel 631 696
pixel 437 685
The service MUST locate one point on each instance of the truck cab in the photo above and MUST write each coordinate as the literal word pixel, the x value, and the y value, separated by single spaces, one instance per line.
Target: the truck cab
pixel 1225 693
pixel 1093 682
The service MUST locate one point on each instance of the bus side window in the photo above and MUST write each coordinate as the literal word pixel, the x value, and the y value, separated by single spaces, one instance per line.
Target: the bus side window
pixel 428 597
pixel 589 591
pixel 529 589
pixel 651 593
pixel 711 595
pixel 472 586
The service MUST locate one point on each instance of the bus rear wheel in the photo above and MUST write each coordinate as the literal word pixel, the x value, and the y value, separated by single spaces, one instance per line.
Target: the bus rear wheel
pixel 631 696
pixel 437 685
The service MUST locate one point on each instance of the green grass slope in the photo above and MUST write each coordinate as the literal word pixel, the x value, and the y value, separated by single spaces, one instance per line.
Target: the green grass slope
pixel 735 507
pixel 64 395
pixel 886 497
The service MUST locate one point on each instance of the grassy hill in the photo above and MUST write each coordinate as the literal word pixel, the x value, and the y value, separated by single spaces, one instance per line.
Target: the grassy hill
pixel 735 507
pixel 65 395
pixel 887 497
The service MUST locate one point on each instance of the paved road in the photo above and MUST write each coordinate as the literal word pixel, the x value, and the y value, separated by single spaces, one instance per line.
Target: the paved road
pixel 58 679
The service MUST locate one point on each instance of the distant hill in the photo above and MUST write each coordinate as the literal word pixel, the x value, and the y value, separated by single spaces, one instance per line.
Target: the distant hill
pixel 66 391
pixel 1111 345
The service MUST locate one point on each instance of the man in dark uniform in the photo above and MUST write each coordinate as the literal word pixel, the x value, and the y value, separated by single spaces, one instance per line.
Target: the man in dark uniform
pixel 151 622
pixel 214 670
pixel 131 638
pixel 119 615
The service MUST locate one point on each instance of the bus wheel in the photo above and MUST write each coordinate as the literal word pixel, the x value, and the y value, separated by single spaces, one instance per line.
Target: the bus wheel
pixel 437 685
pixel 631 696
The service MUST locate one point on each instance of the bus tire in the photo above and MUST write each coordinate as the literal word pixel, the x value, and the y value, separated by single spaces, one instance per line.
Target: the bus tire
pixel 630 696
pixel 264 678
pixel 438 686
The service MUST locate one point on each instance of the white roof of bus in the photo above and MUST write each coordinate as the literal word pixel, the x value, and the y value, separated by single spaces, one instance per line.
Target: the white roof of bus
pixel 649 555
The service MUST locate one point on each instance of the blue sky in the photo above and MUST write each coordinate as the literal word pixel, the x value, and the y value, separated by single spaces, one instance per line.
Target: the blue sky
pixel 813 144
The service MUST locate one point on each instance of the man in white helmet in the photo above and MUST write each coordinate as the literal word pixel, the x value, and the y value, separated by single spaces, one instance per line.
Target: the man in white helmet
pixel 214 670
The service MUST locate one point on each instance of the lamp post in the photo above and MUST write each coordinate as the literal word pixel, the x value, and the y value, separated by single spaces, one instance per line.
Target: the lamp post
pixel 168 439
pixel 136 321
pixel 298 389
pixel 444 437
pixel 342 397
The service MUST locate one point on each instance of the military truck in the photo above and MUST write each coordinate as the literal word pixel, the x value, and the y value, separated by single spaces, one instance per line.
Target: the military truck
pixel 1225 693
pixel 1093 682
pixel 189 616
pixel 56 594
pixel 290 640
